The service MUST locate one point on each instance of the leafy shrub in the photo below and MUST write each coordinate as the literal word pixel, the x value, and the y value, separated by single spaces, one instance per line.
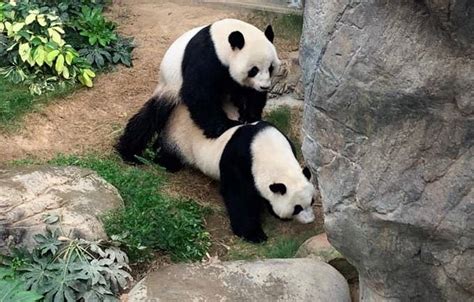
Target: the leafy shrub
pixel 46 42
pixel 150 221
pixel 13 290
pixel 64 269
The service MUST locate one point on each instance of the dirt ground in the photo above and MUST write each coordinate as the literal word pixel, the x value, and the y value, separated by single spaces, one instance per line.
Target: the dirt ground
pixel 91 119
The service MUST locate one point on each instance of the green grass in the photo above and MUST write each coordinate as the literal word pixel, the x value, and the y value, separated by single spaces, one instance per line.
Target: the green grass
pixel 150 220
pixel 282 118
pixel 276 246
pixel 288 27
pixel 16 101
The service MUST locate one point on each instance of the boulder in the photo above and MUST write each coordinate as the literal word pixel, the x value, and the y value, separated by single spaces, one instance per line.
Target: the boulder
pixel 268 280
pixel 75 197
pixel 319 248
pixel 389 130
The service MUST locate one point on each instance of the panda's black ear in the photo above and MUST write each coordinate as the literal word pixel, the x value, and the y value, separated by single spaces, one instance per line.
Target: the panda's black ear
pixel 278 188
pixel 269 33
pixel 307 173
pixel 236 40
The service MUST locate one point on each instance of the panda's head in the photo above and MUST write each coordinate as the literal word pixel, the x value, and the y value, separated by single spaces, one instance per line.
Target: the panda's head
pixel 247 51
pixel 293 199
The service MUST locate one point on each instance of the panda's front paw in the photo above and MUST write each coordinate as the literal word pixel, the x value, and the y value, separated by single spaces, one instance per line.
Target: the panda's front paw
pixel 257 236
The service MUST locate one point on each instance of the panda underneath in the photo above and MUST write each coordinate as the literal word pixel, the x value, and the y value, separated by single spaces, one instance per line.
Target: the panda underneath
pixel 255 163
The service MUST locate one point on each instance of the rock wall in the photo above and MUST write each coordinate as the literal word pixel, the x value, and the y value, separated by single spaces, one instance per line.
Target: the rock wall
pixel 389 131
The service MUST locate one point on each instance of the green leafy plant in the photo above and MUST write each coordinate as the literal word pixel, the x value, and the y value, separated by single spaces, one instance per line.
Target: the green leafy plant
pixel 39 40
pixel 40 48
pixel 150 220
pixel 13 290
pixel 92 25
pixel 64 269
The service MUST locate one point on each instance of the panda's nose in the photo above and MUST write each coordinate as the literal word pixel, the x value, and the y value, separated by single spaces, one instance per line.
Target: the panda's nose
pixel 264 87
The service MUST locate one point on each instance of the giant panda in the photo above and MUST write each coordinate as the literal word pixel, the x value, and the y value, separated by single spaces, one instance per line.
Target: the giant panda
pixel 209 67
pixel 229 58
pixel 255 163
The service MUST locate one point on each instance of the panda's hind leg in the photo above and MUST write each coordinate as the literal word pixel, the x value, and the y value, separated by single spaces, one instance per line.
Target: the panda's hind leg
pixel 166 158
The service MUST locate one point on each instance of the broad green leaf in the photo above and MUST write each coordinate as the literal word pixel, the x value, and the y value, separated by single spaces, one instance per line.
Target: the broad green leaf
pixel 12 291
pixel 59 64
pixel 52 18
pixel 89 72
pixel 55 36
pixel 2 27
pixel 85 80
pixel 24 51
pixel 66 72
pixel 18 26
pixel 69 57
pixel 34 12
pixel 50 218
pixel 51 56
pixel 58 29
pixel 42 20
pixel 30 19
pixel 40 55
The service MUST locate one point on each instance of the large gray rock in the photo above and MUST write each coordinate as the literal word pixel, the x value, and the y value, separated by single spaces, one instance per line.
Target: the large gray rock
pixel 78 197
pixel 265 281
pixel 389 129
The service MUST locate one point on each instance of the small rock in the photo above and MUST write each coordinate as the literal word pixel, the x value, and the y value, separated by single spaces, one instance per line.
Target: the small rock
pixel 71 197
pixel 319 248
pixel 268 280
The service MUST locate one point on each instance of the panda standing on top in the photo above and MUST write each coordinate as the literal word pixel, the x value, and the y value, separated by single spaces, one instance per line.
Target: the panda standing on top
pixel 227 61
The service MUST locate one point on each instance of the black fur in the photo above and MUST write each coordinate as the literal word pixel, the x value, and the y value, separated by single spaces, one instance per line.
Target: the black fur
pixel 207 82
pixel 141 128
pixel 243 201
pixel 166 158
pixel 278 188
pixel 269 33
pixel 236 40
pixel 307 173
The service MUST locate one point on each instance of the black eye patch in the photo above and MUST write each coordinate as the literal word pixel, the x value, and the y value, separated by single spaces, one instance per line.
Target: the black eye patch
pixel 270 70
pixel 298 209
pixel 253 72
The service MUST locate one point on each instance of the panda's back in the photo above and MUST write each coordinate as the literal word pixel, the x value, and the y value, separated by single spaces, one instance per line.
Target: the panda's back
pixel 170 67
pixel 184 138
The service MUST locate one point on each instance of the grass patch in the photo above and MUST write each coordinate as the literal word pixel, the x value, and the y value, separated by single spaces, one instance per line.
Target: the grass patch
pixel 277 246
pixel 16 101
pixel 287 27
pixel 283 118
pixel 150 220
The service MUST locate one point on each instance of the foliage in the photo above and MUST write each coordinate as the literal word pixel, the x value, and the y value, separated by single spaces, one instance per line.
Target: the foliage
pixel 47 42
pixel 281 118
pixel 64 269
pixel 150 221
pixel 277 246
pixel 13 290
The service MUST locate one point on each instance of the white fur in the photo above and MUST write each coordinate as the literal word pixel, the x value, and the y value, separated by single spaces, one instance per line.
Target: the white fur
pixel 273 162
pixel 170 67
pixel 258 51
pixel 194 148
